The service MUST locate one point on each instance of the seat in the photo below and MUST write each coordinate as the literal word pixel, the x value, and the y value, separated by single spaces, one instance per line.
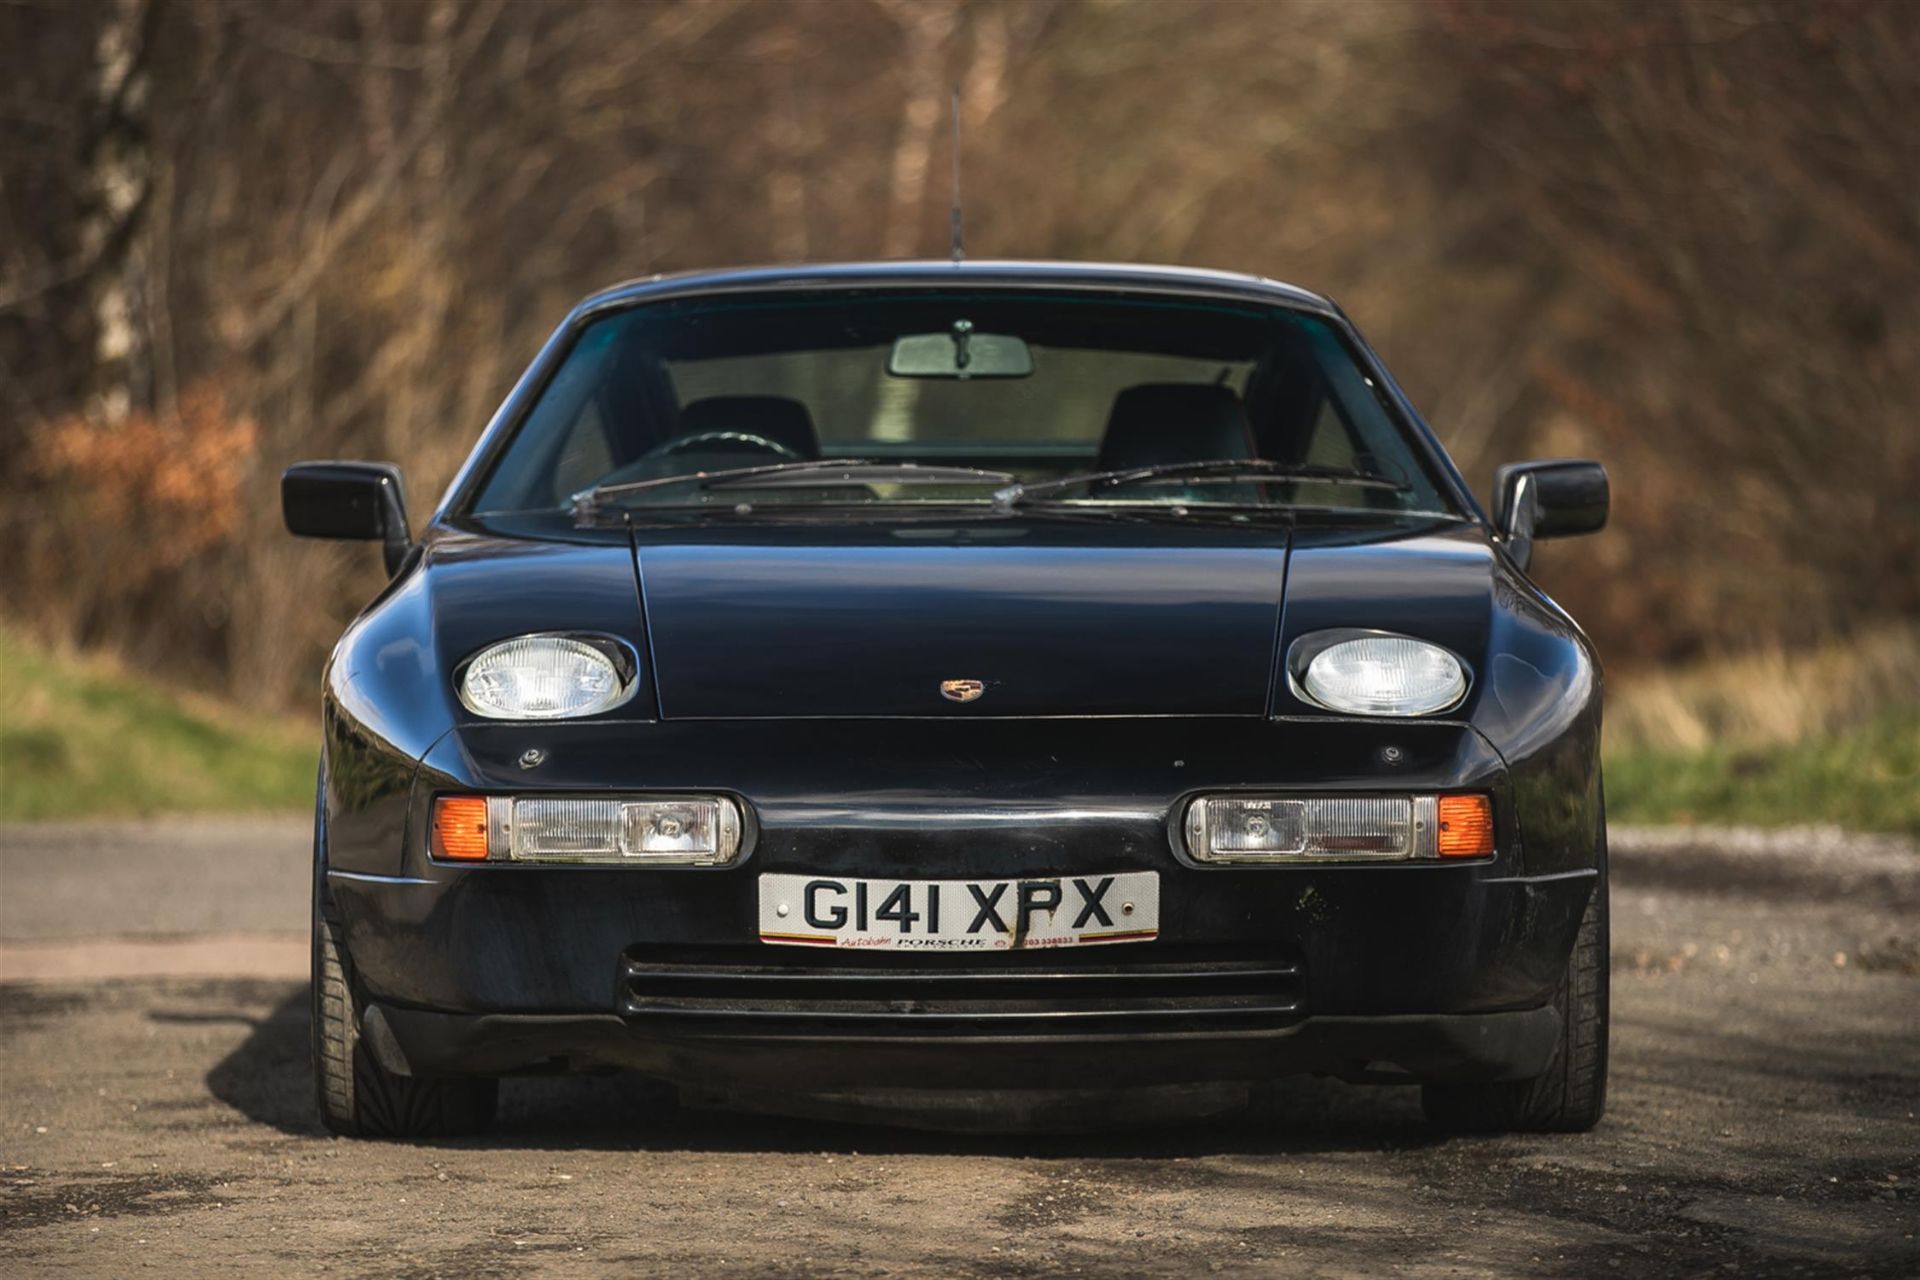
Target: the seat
pixel 1157 423
pixel 776 418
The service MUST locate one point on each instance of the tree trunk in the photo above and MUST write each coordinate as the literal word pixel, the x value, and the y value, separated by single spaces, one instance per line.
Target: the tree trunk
pixel 119 174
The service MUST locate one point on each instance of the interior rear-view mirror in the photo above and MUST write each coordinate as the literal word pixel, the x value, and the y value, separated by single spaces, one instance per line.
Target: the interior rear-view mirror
pixel 960 353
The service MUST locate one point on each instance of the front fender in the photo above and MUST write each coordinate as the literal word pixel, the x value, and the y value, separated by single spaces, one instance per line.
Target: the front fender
pixel 389 695
pixel 382 709
pixel 1536 692
pixel 1541 710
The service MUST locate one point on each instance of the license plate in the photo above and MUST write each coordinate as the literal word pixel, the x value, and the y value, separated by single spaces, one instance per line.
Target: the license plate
pixel 959 915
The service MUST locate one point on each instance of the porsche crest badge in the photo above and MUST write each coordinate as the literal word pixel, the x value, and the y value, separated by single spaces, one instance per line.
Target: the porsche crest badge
pixel 962 690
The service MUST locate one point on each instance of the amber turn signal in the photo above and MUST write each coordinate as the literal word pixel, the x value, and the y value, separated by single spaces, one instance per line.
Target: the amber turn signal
pixel 1466 827
pixel 460 828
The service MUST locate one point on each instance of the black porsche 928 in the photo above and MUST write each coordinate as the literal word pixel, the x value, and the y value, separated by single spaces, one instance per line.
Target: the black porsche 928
pixel 959 677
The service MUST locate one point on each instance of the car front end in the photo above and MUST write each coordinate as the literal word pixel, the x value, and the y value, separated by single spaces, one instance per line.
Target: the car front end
pixel 745 770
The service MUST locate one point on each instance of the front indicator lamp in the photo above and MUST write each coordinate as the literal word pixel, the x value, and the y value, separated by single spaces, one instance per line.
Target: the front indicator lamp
pixel 683 831
pixel 1466 827
pixel 460 828
pixel 1299 829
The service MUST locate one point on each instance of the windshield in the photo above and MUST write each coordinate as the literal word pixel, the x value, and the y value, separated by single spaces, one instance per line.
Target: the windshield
pixel 947 396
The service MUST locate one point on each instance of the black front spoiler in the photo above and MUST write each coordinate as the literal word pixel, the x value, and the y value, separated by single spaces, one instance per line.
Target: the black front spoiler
pixel 1478 1046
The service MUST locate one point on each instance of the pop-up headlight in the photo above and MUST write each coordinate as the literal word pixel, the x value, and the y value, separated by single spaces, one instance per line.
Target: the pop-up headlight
pixel 1375 674
pixel 547 677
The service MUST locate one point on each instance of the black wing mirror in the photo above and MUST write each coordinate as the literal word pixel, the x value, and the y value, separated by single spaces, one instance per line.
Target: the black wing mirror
pixel 361 500
pixel 1533 500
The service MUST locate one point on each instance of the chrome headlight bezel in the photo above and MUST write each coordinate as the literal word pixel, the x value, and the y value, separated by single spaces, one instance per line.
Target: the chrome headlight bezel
pixel 1314 645
pixel 620 656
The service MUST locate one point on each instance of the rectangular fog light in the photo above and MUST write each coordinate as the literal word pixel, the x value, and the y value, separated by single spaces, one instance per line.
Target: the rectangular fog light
pixel 708 830
pixel 1256 829
pixel 661 830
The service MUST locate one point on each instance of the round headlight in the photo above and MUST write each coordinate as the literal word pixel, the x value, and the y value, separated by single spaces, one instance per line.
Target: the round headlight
pixel 1384 676
pixel 541 678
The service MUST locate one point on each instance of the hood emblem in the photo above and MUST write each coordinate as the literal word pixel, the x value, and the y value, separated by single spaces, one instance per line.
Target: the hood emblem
pixel 962 690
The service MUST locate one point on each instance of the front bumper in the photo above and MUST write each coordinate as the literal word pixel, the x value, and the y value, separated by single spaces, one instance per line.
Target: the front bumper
pixel 1432 970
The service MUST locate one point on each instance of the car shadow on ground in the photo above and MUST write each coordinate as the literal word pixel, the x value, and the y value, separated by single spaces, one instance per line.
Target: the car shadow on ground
pixel 267 1077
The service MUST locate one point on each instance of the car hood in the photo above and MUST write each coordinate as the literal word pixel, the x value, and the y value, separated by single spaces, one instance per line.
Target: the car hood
pixel 1038 617
pixel 1051 616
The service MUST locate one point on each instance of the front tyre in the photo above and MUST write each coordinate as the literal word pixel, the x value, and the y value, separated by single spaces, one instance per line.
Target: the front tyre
pixel 357 1096
pixel 1571 1095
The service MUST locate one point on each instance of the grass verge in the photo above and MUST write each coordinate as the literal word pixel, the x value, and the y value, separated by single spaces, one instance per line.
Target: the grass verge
pixel 85 737
pixel 1764 741
pixel 1866 778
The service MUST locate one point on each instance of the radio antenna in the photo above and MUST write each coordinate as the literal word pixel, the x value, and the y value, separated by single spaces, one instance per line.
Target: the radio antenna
pixel 959 245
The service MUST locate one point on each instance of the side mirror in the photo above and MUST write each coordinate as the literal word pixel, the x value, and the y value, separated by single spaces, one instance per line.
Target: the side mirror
pixel 360 500
pixel 1533 500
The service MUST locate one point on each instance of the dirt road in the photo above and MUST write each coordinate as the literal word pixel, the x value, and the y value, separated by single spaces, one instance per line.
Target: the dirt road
pixel 1766 1078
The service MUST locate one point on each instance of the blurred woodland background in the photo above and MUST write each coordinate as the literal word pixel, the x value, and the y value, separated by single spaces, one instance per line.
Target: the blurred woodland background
pixel 1683 238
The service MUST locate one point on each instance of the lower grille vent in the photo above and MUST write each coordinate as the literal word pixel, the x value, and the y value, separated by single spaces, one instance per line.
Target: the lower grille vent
pixel 1018 993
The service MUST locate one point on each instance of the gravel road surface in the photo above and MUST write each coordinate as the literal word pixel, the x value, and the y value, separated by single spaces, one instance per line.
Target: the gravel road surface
pixel 1765 1084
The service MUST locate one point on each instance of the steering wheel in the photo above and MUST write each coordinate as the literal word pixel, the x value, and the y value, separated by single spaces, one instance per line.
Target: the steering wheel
pixel 728 442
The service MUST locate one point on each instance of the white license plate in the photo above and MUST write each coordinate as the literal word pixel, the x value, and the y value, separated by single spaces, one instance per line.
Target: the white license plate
pixel 959 915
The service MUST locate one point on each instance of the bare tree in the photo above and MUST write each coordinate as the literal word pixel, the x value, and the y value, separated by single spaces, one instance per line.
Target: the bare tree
pixel 1679 236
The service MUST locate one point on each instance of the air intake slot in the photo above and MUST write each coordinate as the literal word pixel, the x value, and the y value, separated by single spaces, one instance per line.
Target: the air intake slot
pixel 1049 991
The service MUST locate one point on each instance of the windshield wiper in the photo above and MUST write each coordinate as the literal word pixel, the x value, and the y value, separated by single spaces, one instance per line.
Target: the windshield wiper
pixel 1211 471
pixel 864 472
pixel 813 473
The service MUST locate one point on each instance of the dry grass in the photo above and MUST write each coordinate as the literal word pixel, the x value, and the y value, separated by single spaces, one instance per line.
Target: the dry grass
pixel 1769 698
pixel 1773 738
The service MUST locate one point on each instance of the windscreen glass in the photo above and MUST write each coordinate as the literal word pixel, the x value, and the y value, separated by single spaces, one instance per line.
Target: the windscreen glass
pixel 1218 403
